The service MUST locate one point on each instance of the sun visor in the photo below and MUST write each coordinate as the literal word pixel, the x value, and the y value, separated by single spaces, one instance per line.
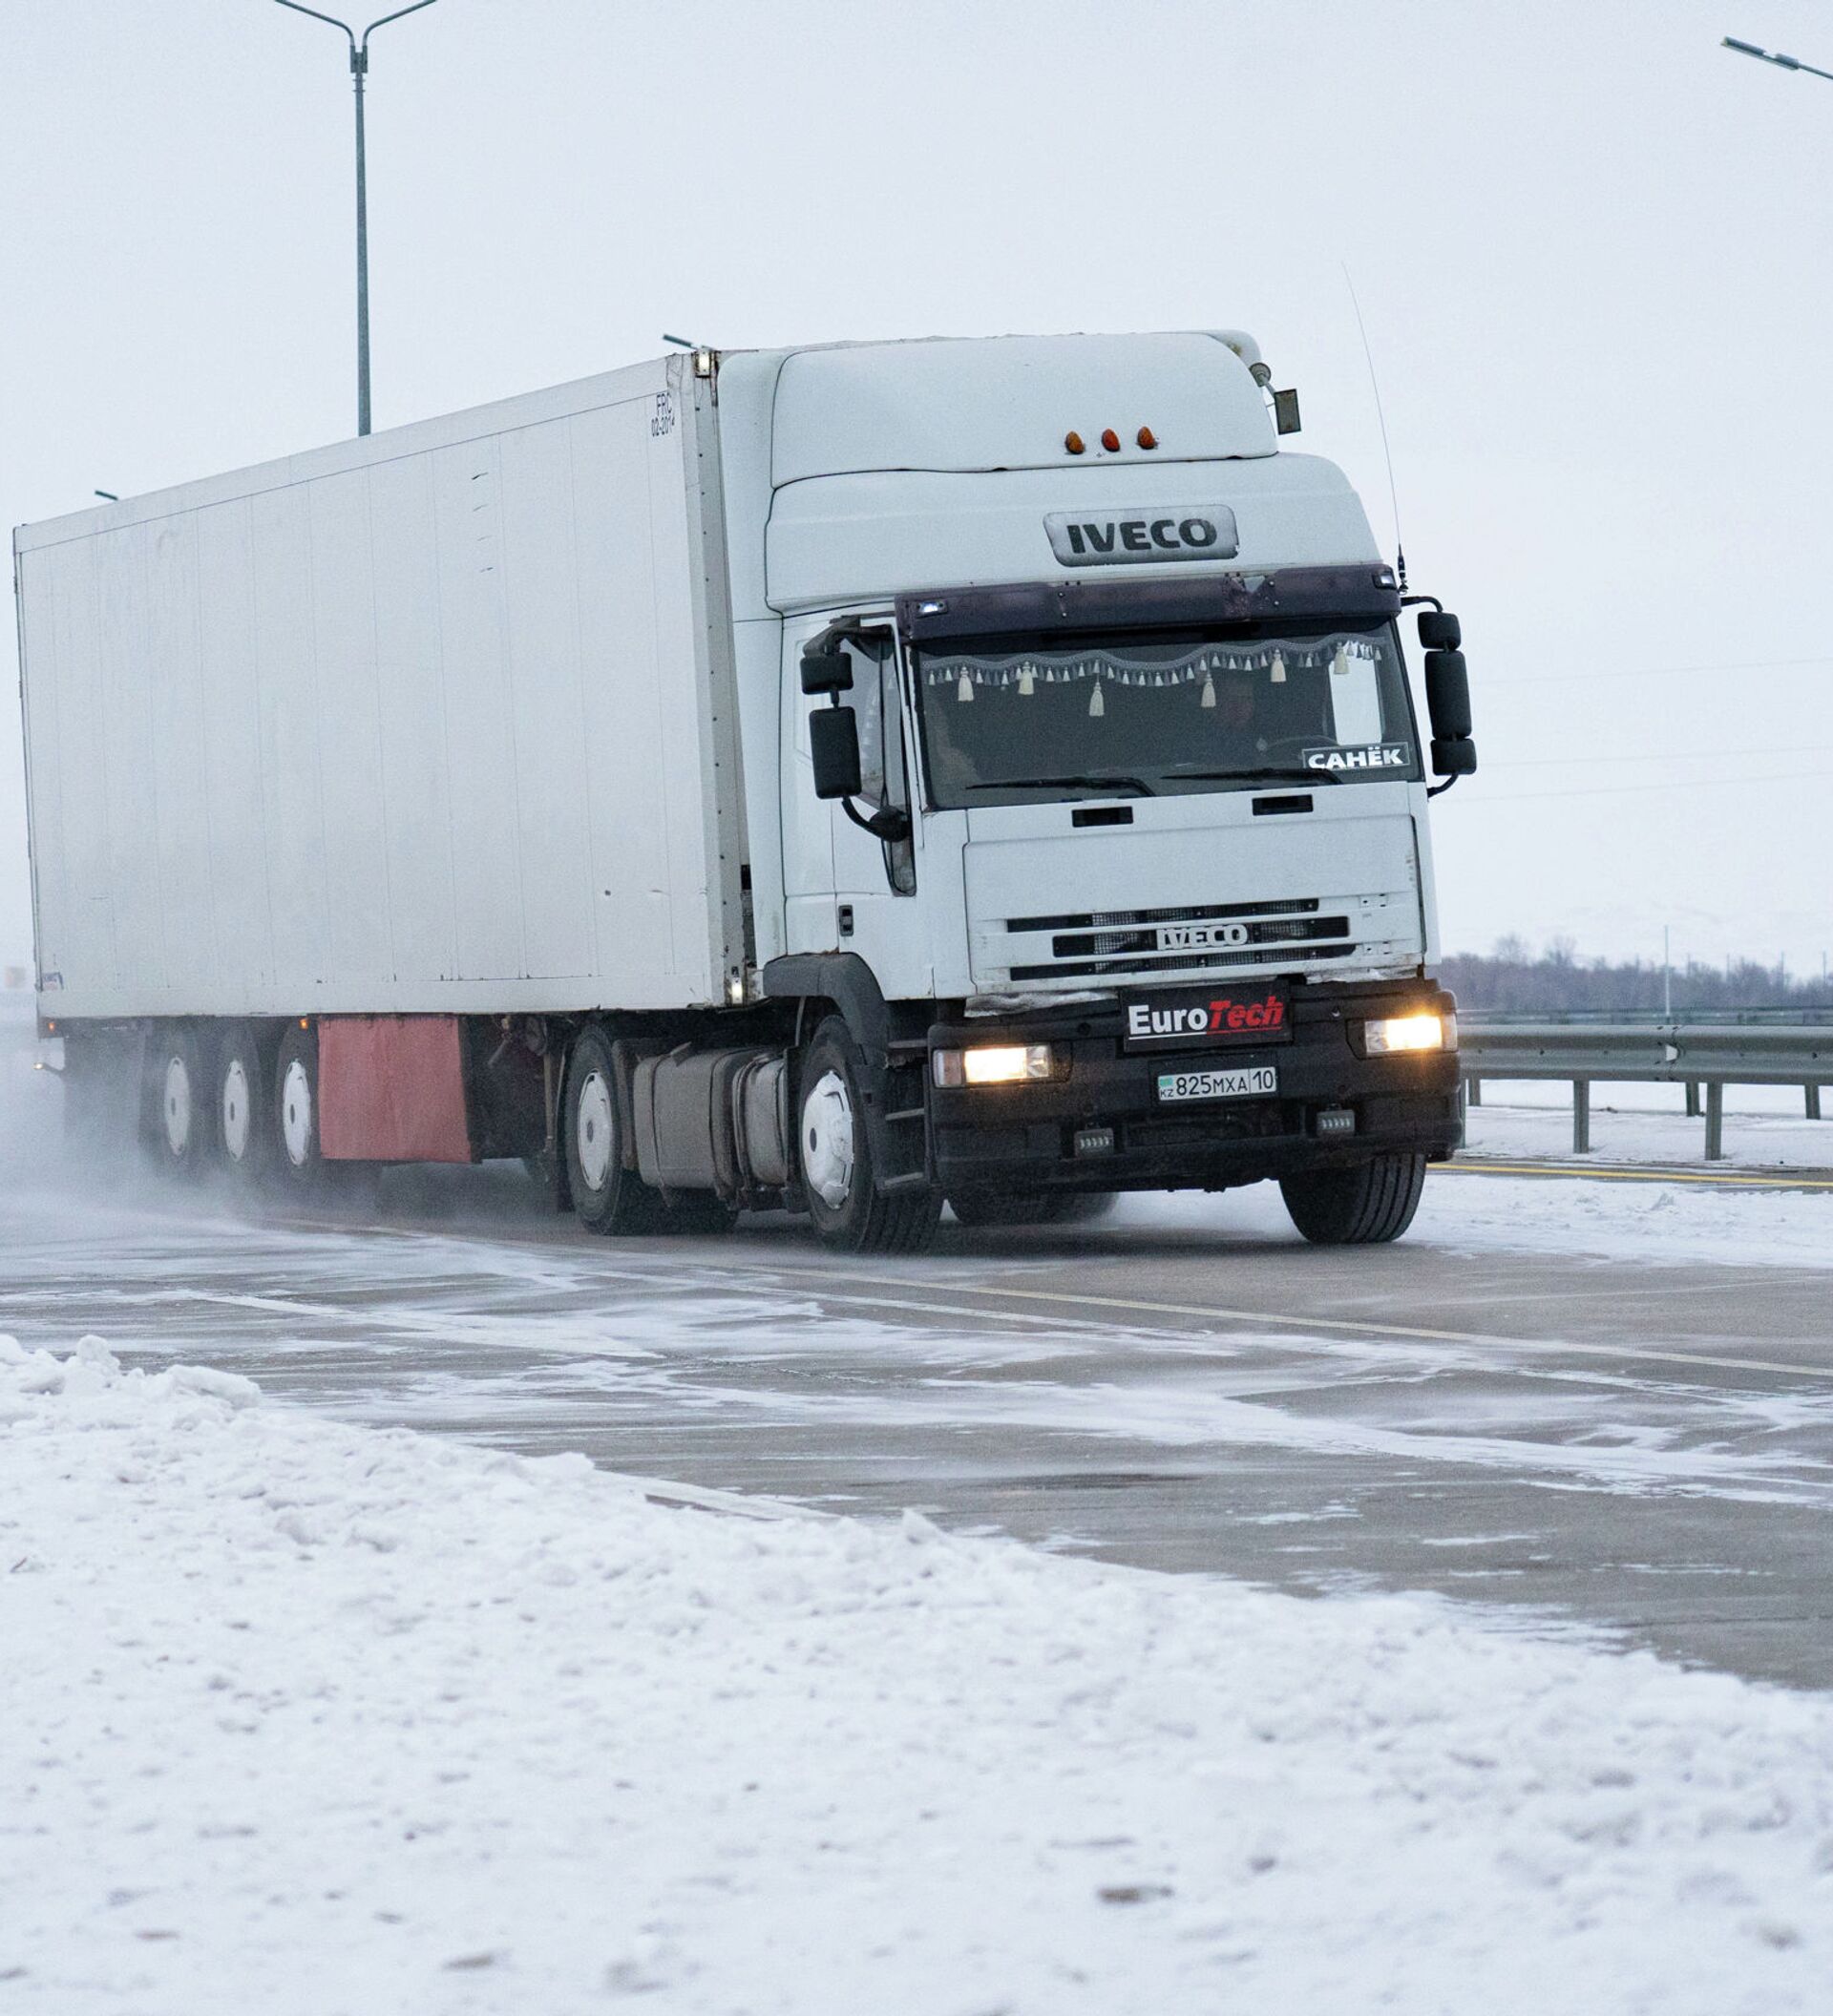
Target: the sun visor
pixel 844 539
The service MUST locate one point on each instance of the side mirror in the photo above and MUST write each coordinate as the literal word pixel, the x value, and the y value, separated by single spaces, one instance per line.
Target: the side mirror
pixel 825 672
pixel 1448 694
pixel 1454 756
pixel 1440 630
pixel 833 740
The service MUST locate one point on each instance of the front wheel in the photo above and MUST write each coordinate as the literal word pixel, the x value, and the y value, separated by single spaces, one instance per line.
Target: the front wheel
pixel 1365 1205
pixel 834 1153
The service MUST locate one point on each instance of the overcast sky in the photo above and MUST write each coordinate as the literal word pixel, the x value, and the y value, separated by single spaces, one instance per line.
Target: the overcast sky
pixel 1592 250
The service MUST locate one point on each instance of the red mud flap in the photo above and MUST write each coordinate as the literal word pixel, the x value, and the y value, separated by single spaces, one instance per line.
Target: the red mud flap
pixel 391 1088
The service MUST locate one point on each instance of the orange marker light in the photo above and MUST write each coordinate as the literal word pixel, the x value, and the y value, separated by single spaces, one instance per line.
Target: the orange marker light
pixel 1146 438
pixel 1109 440
pixel 1074 442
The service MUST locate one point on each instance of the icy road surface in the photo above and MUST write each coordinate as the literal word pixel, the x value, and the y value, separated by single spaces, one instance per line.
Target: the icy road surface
pixel 1613 1403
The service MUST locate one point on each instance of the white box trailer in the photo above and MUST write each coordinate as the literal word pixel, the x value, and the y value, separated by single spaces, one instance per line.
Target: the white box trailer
pixel 433 721
pixel 838 778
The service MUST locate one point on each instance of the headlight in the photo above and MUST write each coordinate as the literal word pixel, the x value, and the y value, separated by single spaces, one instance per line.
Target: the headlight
pixel 994 1065
pixel 1419 1031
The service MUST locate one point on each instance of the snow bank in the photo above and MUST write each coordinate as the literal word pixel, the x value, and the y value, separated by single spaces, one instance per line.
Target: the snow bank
pixel 310 1718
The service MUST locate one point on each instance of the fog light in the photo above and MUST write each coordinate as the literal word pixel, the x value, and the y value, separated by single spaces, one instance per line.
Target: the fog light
pixel 1334 1121
pixel 1396 1033
pixel 994 1065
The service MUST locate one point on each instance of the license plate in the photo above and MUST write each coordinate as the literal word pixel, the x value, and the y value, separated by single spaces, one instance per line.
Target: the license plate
pixel 1257 1081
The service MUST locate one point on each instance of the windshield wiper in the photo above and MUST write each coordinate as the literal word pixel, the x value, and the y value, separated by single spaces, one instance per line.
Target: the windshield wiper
pixel 1272 773
pixel 1099 780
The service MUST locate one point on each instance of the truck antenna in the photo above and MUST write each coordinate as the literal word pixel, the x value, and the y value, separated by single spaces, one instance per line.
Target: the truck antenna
pixel 1374 386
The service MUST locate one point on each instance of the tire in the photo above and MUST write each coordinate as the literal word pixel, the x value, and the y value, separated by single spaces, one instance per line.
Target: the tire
pixel 293 1117
pixel 1366 1206
pixel 986 1208
pixel 247 1135
pixel 834 1156
pixel 608 1198
pixel 178 1129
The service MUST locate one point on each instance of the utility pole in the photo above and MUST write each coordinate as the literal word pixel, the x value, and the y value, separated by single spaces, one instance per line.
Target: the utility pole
pixel 359 71
pixel 1667 976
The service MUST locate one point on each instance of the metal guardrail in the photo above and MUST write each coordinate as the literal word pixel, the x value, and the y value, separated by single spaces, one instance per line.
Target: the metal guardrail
pixel 1700 1055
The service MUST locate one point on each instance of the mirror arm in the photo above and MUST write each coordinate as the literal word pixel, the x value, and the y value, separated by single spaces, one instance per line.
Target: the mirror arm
pixel 887 823
pixel 1432 790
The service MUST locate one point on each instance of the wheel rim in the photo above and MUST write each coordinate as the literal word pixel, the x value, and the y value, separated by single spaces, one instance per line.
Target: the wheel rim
pixel 593 1129
pixel 235 1110
pixel 296 1113
pixel 827 1139
pixel 178 1104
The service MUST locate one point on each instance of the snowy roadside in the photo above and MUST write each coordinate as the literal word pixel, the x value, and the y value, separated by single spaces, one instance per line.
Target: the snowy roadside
pixel 1466 1211
pixel 1765 1127
pixel 307 1717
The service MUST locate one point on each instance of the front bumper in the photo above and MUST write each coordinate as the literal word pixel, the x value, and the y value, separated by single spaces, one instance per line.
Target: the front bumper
pixel 1054 1134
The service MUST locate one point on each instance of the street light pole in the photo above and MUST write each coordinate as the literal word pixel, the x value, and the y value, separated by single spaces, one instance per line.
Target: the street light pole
pixel 1766 55
pixel 359 71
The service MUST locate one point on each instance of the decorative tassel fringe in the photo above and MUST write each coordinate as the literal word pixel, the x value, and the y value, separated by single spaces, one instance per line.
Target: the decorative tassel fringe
pixel 1209 689
pixel 1278 673
pixel 1096 704
pixel 964 688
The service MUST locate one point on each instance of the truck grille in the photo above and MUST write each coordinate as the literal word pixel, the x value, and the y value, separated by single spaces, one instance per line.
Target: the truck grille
pixel 1096 945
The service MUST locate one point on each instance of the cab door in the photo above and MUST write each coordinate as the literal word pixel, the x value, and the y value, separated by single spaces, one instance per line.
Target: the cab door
pixel 867 905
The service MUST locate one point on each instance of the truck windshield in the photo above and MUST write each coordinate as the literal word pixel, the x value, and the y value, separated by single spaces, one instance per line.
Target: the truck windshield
pixel 1015 722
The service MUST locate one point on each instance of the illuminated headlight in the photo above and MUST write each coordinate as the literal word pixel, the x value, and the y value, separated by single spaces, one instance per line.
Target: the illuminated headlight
pixel 1396 1033
pixel 994 1065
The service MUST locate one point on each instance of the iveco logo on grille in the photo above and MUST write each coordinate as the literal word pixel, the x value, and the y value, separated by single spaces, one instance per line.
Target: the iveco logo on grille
pixel 1151 537
pixel 1200 938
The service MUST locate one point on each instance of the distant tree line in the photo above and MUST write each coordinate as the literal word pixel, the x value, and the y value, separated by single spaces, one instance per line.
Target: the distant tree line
pixel 1513 981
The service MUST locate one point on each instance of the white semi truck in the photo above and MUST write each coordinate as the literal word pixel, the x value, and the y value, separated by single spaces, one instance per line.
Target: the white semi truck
pixel 838 778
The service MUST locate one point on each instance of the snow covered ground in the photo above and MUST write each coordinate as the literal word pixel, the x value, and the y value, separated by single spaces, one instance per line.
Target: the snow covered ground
pixel 304 1717
pixel 1463 1211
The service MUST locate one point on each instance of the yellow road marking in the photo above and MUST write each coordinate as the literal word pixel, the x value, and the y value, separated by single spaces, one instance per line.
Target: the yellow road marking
pixel 1726 1180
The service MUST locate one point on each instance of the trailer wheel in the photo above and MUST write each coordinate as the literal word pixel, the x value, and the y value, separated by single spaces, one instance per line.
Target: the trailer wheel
pixel 247 1131
pixel 1365 1205
pixel 179 1121
pixel 987 1208
pixel 294 1119
pixel 608 1197
pixel 835 1157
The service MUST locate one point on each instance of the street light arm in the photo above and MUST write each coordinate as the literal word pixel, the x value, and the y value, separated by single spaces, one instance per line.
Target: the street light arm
pixel 349 32
pixel 385 19
pixel 1770 56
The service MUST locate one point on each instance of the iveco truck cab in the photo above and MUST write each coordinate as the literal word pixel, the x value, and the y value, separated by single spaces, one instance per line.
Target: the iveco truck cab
pixel 1095 766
